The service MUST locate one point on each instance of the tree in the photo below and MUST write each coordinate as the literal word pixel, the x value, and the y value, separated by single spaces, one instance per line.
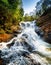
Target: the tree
pixel 11 12
pixel 13 3
pixel 16 8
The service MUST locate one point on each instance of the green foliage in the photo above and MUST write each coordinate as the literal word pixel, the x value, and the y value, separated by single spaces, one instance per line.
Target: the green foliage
pixel 30 18
pixel 11 12
pixel 13 3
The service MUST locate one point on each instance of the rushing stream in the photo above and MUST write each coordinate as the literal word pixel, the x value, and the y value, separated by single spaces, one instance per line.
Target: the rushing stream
pixel 27 48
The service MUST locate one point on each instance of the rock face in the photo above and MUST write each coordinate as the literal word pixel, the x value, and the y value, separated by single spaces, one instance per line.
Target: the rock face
pixel 42 6
pixel 44 23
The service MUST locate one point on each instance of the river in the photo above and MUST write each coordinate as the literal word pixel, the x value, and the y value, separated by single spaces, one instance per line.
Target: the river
pixel 27 48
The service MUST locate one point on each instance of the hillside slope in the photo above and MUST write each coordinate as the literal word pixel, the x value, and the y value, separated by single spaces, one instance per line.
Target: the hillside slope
pixel 44 22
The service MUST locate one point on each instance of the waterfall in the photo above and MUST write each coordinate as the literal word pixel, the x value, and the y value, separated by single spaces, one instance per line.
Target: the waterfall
pixel 27 48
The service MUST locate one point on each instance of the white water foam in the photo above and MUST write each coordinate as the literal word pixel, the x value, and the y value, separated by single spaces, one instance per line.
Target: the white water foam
pixel 26 46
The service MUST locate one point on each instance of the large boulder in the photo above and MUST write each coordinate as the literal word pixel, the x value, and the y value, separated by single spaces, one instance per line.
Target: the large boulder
pixel 39 31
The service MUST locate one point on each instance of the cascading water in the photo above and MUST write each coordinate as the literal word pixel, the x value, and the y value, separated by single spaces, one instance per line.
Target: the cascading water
pixel 26 49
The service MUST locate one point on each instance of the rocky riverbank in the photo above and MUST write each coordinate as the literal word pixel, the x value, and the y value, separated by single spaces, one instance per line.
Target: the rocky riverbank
pixel 5 37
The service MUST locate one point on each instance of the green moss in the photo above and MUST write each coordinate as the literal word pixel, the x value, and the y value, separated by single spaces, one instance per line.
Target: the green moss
pixel 2 31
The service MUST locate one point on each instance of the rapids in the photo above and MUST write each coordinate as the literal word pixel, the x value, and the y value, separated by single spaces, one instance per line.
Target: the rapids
pixel 27 48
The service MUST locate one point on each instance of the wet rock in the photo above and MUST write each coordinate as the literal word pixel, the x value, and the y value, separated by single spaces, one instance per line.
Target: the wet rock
pixel 9 45
pixel 39 31
pixel 1 62
pixel 25 53
pixel 28 24
pixel 15 35
pixel 17 32
pixel 0 53
pixel 48 39
pixel 25 35
pixel 22 24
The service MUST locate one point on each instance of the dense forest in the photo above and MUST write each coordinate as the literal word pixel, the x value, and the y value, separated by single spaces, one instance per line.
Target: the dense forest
pixel 11 12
